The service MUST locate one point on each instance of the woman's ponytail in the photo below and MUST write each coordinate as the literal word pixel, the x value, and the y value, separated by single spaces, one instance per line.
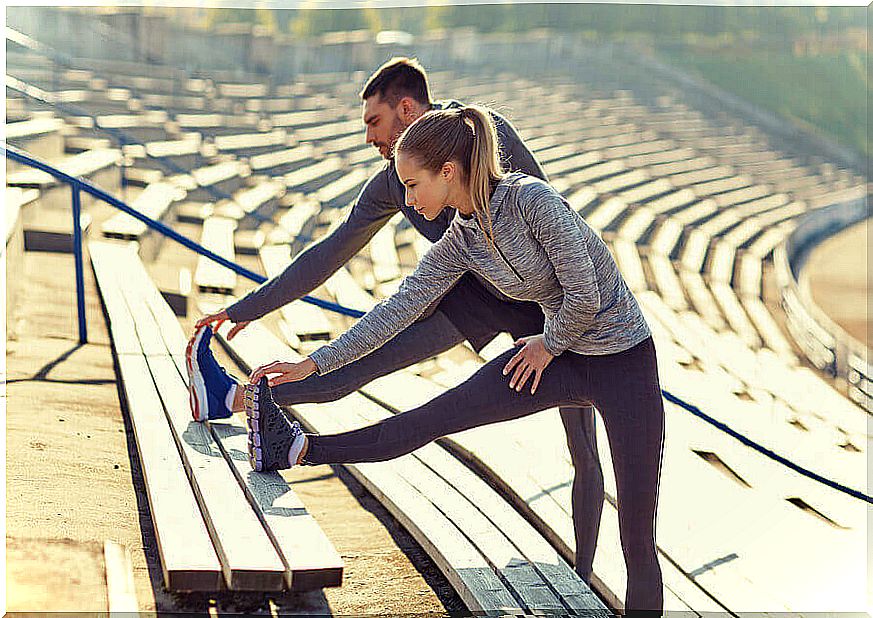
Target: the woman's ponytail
pixel 484 164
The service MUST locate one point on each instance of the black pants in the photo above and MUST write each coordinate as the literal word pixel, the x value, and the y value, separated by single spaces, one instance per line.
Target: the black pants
pixel 623 386
pixel 469 312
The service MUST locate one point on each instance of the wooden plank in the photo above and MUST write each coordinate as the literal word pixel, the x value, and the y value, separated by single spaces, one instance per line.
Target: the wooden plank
pixel 153 202
pixel 306 321
pixel 247 555
pixel 443 490
pixel 310 558
pixel 467 570
pixel 383 251
pixel 188 558
pixel 217 237
pixel 120 588
pixel 241 533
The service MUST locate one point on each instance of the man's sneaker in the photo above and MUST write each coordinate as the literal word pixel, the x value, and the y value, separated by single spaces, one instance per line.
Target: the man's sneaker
pixel 270 435
pixel 208 382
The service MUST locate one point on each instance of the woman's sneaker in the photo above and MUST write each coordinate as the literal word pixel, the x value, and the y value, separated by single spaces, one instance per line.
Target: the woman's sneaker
pixel 271 437
pixel 208 382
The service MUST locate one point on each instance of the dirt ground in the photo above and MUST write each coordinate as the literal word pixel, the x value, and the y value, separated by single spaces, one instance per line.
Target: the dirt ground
pixel 839 276
pixel 74 481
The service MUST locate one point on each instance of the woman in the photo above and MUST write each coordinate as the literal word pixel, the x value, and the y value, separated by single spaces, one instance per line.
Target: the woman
pixel 519 233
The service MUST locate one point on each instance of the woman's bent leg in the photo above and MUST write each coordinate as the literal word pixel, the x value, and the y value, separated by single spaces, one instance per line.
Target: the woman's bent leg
pixel 629 399
pixel 587 497
pixel 484 398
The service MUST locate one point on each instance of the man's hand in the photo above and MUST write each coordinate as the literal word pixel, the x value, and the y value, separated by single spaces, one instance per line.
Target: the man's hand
pixel 287 372
pixel 532 359
pixel 218 319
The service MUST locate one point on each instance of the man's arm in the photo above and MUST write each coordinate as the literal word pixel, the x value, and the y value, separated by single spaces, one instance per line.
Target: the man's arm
pixel 312 267
pixel 515 154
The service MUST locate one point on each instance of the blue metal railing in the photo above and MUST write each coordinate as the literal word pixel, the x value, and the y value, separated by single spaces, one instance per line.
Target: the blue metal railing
pixel 78 185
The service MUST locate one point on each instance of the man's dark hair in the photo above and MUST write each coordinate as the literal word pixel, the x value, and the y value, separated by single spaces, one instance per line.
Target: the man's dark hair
pixel 399 77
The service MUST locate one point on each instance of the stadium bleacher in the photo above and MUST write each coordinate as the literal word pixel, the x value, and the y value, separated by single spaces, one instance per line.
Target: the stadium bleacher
pixel 692 207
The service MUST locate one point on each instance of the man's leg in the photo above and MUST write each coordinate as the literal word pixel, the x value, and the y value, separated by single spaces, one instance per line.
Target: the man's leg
pixel 587 497
pixel 420 341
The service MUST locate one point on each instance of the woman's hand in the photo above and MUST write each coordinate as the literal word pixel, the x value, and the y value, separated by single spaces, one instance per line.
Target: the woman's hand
pixel 288 372
pixel 532 359
pixel 218 319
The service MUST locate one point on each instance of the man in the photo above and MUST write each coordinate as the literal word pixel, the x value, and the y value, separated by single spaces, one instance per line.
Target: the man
pixel 393 98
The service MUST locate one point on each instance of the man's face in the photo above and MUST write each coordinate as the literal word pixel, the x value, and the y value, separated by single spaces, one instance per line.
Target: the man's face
pixel 383 124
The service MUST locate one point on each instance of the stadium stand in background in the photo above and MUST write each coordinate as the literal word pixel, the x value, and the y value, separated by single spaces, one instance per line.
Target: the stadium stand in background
pixel 708 209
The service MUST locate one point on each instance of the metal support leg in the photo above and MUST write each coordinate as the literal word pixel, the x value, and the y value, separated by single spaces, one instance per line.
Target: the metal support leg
pixel 77 256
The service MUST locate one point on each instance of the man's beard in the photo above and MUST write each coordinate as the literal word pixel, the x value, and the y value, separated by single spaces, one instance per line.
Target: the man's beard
pixel 398 128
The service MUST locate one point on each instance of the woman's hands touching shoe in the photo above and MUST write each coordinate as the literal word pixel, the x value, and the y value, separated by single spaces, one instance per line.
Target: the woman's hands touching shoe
pixel 287 372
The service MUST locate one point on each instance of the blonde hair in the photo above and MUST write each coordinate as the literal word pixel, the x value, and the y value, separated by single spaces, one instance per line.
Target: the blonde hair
pixel 468 137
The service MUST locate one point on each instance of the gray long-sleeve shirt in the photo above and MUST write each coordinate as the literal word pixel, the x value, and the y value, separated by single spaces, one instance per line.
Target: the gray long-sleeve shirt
pixel 545 253
pixel 380 199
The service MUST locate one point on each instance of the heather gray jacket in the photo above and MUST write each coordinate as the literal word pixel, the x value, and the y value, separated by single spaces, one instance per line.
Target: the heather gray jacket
pixel 545 253
pixel 382 197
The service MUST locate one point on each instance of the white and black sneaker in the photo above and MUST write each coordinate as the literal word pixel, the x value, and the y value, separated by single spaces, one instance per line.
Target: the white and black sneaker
pixel 273 442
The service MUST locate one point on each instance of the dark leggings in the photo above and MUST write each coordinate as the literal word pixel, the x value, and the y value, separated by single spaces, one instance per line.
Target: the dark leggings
pixel 436 334
pixel 623 386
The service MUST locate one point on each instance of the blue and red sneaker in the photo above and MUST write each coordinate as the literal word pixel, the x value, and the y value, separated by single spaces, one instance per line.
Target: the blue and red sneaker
pixel 208 383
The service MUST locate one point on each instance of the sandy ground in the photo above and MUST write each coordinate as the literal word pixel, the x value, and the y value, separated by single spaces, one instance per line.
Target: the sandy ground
pixel 73 481
pixel 839 276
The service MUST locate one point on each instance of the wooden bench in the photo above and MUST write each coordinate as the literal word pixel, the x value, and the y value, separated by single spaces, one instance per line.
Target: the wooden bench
pixel 657 157
pixel 300 119
pixel 490 555
pixel 144 127
pixel 156 202
pixel 558 168
pixel 305 324
pixel 383 252
pixel 214 124
pixel 667 281
pixel 210 276
pixel 250 144
pixel 313 176
pixel 222 179
pixel 341 191
pixel 281 162
pixel 40 136
pixel 98 166
pixel 327 130
pixel 296 225
pixel 218 524
pixel 260 200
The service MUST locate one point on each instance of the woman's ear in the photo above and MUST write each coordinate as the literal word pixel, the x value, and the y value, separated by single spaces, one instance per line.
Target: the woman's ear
pixel 447 171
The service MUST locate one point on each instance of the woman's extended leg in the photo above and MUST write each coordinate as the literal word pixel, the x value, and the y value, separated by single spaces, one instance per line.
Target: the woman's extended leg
pixel 421 340
pixel 628 395
pixel 484 398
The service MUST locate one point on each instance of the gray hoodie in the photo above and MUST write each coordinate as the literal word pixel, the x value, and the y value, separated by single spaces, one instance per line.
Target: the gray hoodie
pixel 545 253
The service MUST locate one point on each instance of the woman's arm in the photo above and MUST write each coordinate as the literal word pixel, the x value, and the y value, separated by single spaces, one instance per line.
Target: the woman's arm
pixel 439 269
pixel 556 228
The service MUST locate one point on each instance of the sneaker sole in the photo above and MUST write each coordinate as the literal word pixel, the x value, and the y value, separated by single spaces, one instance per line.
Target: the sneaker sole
pixel 196 384
pixel 250 399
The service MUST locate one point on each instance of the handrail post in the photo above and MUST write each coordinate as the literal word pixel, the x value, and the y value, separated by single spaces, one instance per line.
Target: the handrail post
pixel 77 256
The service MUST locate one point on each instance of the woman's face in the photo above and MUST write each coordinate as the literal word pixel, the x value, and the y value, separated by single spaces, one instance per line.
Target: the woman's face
pixel 427 192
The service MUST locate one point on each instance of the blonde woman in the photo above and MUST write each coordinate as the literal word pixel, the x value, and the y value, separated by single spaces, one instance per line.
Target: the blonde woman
pixel 522 236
